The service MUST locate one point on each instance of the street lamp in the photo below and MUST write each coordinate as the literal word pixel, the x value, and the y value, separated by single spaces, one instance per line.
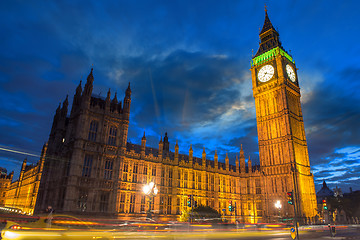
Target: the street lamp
pixel 150 190
pixel 278 206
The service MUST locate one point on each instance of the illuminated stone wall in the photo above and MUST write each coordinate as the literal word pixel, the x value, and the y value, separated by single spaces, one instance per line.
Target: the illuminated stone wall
pixel 22 194
pixel 282 144
pixel 5 181
pixel 212 183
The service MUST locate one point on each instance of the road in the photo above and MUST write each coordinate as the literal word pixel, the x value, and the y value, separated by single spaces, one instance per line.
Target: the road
pixel 349 233
pixel 64 227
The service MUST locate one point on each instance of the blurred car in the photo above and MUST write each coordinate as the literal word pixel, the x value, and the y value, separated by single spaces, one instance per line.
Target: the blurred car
pixel 54 227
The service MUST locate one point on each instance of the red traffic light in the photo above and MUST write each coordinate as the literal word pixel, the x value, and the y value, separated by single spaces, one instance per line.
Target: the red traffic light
pixel 324 201
pixel 290 198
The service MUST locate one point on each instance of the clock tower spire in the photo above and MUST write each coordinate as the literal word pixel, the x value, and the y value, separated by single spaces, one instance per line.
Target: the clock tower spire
pixel 269 37
pixel 283 148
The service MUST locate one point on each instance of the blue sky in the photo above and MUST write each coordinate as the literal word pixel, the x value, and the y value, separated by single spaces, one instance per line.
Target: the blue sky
pixel 188 63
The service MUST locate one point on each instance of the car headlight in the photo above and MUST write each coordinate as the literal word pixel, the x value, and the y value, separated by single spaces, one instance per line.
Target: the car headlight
pixel 10 235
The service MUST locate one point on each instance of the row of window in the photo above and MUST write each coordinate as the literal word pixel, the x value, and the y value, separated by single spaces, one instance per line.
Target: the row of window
pixel 87 166
pixel 165 204
pixel 94 129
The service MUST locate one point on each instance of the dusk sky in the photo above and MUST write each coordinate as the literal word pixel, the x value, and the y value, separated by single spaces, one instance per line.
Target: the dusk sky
pixel 188 64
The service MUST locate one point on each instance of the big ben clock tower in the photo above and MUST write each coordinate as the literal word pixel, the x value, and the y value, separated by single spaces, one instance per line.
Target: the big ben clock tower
pixel 283 148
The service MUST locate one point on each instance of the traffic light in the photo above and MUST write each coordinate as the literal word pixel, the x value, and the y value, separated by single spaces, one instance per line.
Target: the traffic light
pixel 195 204
pixel 189 201
pixel 324 204
pixel 290 198
pixel 230 206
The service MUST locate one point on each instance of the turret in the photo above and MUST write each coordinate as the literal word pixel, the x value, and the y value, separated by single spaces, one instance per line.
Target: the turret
pixel 76 99
pixel 237 164
pixel 204 158
pixel 114 104
pixel 107 101
pixel 143 146
pixel 64 108
pixel 190 154
pixel 115 101
pixel 166 144
pixel 55 120
pixel 227 165
pixel 176 152
pixel 42 157
pixel 216 163
pixel 242 160
pixel 161 146
pixel 249 165
pixel 22 171
pixel 127 102
pixel 89 84
pixel 86 95
pixel 10 176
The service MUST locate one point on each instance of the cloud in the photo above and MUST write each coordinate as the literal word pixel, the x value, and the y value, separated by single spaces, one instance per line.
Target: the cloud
pixel 188 67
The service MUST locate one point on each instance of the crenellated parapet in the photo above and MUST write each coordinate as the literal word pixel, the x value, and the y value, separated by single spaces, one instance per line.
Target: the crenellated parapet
pixel 162 155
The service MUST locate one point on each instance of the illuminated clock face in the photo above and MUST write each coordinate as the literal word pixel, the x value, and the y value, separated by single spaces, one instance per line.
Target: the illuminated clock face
pixel 265 73
pixel 291 73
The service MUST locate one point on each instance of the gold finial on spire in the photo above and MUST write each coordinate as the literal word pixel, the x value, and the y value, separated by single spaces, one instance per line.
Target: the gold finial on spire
pixel 265 7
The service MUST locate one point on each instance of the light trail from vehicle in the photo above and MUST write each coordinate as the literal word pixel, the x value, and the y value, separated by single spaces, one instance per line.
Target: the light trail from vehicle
pixel 18 152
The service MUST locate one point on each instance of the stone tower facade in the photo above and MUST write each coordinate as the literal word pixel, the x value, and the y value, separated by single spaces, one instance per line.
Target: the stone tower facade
pixel 84 153
pixel 283 148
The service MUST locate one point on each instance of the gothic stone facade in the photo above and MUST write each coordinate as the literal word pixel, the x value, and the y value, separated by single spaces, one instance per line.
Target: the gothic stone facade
pixel 5 181
pixel 282 144
pixel 22 193
pixel 90 168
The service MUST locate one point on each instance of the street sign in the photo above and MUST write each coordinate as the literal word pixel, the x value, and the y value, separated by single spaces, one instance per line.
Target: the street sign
pixel 224 209
pixel 292 233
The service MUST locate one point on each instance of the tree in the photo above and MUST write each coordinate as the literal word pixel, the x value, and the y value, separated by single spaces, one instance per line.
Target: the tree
pixel 185 214
pixel 206 213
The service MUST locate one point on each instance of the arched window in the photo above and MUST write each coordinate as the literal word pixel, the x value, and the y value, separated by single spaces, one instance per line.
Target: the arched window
pixel 108 169
pixel 86 172
pixel 112 136
pixel 93 130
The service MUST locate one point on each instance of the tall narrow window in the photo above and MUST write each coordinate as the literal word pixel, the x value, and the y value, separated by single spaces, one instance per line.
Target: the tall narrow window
pixel 93 130
pixel 104 202
pixel 86 172
pixel 132 203
pixel 125 167
pixel 142 206
pixel 122 202
pixel 108 169
pixel 112 136
pixel 169 203
pixel 258 186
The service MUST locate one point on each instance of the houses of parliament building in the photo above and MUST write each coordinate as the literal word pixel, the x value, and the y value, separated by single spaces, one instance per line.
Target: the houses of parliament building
pixel 88 167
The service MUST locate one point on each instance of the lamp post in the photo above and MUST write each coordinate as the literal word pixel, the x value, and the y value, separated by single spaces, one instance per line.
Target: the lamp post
pixel 278 206
pixel 150 190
